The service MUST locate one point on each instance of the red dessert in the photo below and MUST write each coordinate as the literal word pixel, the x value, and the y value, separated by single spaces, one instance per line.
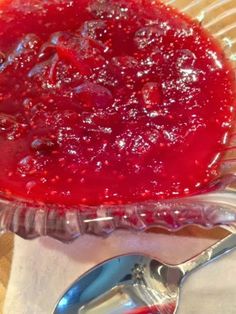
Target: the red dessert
pixel 108 101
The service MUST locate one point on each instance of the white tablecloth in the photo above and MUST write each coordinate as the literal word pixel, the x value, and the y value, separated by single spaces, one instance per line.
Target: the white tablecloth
pixel 42 269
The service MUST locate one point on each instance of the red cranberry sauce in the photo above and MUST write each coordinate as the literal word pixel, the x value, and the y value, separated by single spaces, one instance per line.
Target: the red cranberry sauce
pixel 109 102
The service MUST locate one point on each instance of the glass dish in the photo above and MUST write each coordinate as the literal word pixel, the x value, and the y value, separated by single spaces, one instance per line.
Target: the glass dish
pixel 216 206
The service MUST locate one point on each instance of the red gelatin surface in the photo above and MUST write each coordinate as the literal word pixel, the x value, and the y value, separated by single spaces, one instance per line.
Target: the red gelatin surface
pixel 109 102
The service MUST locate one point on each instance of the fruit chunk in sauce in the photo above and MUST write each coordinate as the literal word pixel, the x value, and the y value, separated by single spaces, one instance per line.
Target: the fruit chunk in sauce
pixel 109 101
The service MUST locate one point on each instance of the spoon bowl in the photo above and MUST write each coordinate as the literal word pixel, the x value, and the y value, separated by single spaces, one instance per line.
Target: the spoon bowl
pixel 125 284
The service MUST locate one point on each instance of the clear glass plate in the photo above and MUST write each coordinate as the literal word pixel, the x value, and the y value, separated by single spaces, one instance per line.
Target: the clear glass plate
pixel 207 210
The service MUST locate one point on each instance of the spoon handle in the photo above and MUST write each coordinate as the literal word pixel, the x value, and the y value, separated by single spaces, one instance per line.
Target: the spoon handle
pixel 215 251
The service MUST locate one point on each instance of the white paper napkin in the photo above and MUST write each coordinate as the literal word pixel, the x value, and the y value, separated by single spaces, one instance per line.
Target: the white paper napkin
pixel 42 269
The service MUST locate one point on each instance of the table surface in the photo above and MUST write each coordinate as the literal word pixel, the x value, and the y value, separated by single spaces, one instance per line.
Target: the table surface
pixel 6 250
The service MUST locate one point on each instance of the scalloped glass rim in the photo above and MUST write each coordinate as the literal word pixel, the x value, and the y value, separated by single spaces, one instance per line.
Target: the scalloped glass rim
pixel 30 220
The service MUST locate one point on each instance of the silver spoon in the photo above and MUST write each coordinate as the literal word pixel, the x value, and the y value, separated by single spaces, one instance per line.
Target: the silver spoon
pixel 135 284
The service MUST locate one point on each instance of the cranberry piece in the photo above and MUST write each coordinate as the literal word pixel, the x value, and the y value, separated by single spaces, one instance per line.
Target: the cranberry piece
pixel 47 51
pixel 186 59
pixel 125 67
pixel 2 58
pixel 24 53
pixel 7 122
pixel 93 96
pixel 137 141
pixel 95 29
pixel 83 53
pixel 43 145
pixel 110 9
pixel 151 95
pixel 11 126
pixel 27 165
pixel 148 36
